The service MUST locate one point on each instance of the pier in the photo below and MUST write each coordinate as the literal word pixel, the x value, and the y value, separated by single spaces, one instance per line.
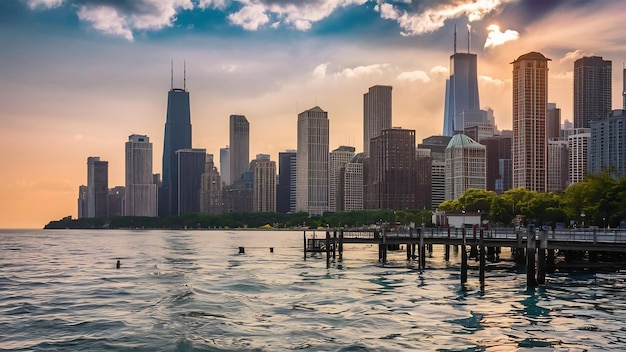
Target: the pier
pixel 533 247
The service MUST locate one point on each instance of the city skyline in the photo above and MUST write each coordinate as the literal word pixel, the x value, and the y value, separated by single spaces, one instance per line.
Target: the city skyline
pixel 77 82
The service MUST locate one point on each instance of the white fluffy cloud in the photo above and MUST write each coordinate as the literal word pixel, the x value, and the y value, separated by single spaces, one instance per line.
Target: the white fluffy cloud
pixel 414 76
pixel 250 17
pixel 362 70
pixel 574 55
pixel 432 19
pixel 320 71
pixel 496 37
pixel 106 19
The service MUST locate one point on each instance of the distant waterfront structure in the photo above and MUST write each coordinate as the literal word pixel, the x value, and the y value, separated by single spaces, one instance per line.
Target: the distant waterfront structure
pixel 437 146
pixel 465 166
pixel 606 146
pixel 350 189
pixel 392 171
pixel 97 187
pixel 530 94
pixel 264 184
pixel 557 174
pixel 337 160
pixel 191 165
pixel 461 89
pixel 82 201
pixel 141 192
pixel 239 149
pixel 286 188
pixel 211 189
pixel 117 201
pixel 177 136
pixel 592 90
pixel 312 161
pixel 376 113
pixel 225 165
pixel 578 145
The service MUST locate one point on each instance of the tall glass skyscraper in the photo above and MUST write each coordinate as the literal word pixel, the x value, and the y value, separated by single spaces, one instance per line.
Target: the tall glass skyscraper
pixel 376 114
pixel 177 136
pixel 592 90
pixel 239 151
pixel 461 89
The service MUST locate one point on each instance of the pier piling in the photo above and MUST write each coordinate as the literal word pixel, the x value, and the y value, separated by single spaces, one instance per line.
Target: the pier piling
pixel 463 259
pixel 531 280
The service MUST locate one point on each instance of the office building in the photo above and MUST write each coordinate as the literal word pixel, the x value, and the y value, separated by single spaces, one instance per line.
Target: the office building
pixel 191 165
pixel 82 201
pixel 606 146
pixel 264 184
pixel 530 94
pixel 141 191
pixel 553 122
pixel 578 145
pixel 557 174
pixel 312 162
pixel 239 149
pixel 592 90
pixel 177 136
pixel 437 146
pixel 350 190
pixel 286 188
pixel 97 187
pixel 117 201
pixel 225 165
pixel 465 166
pixel 337 160
pixel 376 113
pixel 211 189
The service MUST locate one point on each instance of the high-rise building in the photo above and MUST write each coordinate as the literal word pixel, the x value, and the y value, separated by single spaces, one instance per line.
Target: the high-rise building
pixel 350 192
pixel 498 161
pixel 437 146
pixel 117 201
pixel 553 122
pixel 312 161
pixel 225 165
pixel 530 94
pixel 592 90
pixel 264 184
pixel 607 150
pixel 337 160
pixel 376 113
pixel 578 145
pixel 191 164
pixel 177 136
pixel 461 89
pixel 424 181
pixel 239 149
pixel 82 201
pixel 465 166
pixel 392 171
pixel 286 188
pixel 141 192
pixel 97 187
pixel 557 174
pixel 211 189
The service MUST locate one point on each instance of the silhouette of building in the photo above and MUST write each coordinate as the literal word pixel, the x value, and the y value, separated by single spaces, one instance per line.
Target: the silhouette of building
pixel 286 188
pixel 553 122
pixel 117 201
pixel 498 161
pixel 177 136
pixel 461 89
pixel 465 166
pixel 376 113
pixel 225 165
pixel 264 184
pixel 337 160
pixel 191 165
pixel 312 161
pixel 97 187
pixel 530 93
pixel 141 191
pixel 592 90
pixel 211 189
pixel 239 149
pixel 82 202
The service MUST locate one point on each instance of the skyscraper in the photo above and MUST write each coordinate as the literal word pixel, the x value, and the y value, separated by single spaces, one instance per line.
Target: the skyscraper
pixel 211 189
pixel 437 146
pixel 530 94
pixel 461 89
pixel 312 161
pixel 592 90
pixel 97 187
pixel 376 113
pixel 286 188
pixel 239 150
pixel 606 146
pixel 336 160
pixel 557 172
pixel 553 122
pixel 141 192
pixel 177 136
pixel 350 192
pixel 264 184
pixel 465 166
pixel 191 164
pixel 225 165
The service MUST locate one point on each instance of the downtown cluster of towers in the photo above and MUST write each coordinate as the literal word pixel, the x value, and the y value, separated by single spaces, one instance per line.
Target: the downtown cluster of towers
pixel 392 172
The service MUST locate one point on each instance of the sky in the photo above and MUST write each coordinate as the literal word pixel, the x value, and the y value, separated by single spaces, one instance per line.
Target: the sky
pixel 77 77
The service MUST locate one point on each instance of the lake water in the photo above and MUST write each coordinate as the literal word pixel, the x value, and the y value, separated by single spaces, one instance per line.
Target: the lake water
pixel 60 290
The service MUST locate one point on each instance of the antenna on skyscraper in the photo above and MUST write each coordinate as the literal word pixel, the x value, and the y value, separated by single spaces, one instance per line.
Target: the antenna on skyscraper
pixel 184 74
pixel 469 36
pixel 455 38
pixel 172 75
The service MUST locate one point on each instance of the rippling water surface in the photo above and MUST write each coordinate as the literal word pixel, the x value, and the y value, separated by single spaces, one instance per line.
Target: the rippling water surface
pixel 192 291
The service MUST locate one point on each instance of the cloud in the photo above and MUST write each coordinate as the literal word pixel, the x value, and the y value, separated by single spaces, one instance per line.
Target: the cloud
pixel 431 19
pixel 216 4
pixel 33 4
pixel 106 19
pixel 439 70
pixel 573 56
pixel 496 37
pixel 250 17
pixel 414 76
pixel 491 81
pixel 320 71
pixel 566 75
pixel 362 71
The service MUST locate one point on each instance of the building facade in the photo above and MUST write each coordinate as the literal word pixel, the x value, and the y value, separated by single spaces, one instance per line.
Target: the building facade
pixel 530 93
pixel 286 188
pixel 225 165
pixel 558 166
pixel 239 149
pixel 264 184
pixel 312 161
pixel 97 187
pixel 437 146
pixel 592 90
pixel 211 189
pixel 337 159
pixel 350 192
pixel 141 192
pixel 191 165
pixel 578 145
pixel 376 113
pixel 607 146
pixel 465 166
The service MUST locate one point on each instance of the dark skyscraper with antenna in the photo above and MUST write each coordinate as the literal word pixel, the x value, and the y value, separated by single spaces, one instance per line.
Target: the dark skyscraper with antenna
pixel 177 137
pixel 461 88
